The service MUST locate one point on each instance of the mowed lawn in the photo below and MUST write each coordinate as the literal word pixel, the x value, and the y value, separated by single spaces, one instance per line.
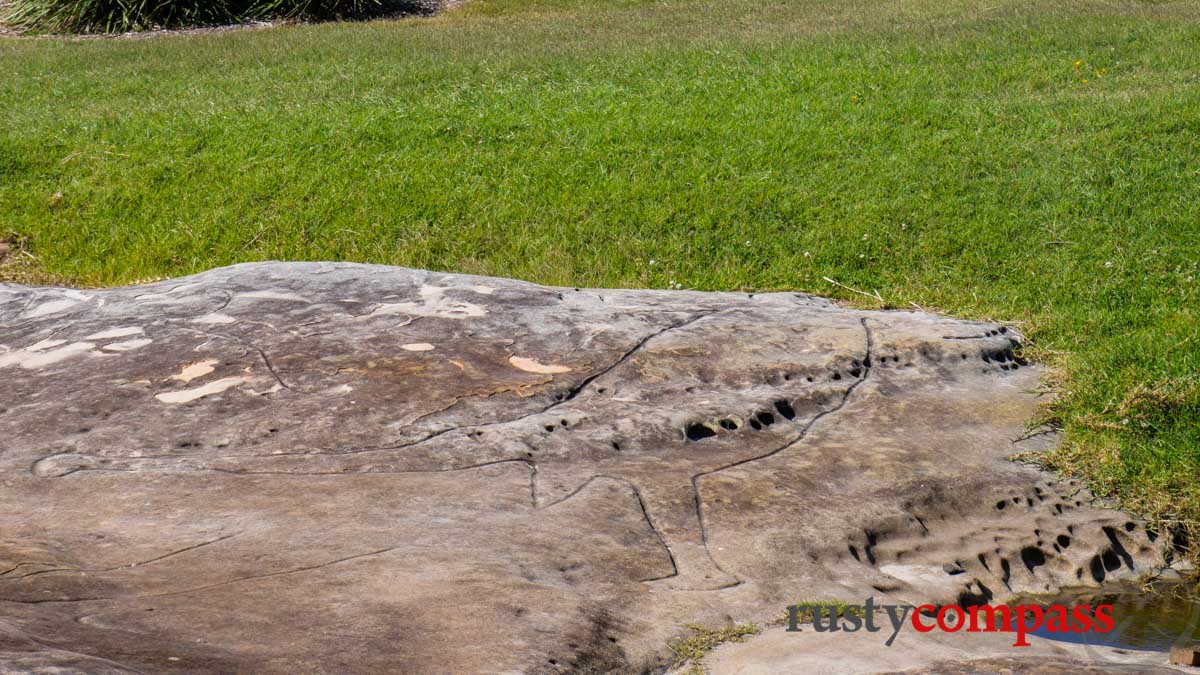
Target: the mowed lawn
pixel 1031 162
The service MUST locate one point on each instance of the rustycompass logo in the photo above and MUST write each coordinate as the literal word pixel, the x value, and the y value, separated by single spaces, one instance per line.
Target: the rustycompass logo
pixel 1020 620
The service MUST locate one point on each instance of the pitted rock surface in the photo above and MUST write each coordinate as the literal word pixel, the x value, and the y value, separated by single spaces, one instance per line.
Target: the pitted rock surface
pixel 336 467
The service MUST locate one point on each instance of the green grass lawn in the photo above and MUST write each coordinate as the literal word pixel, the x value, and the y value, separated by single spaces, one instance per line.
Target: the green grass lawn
pixel 1033 162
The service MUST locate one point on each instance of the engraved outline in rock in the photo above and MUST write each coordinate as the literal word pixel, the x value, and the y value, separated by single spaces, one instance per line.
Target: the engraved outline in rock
pixel 685 563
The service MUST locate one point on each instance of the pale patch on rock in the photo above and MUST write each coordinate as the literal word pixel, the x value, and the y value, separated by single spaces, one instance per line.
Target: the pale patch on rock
pixel 31 360
pixel 483 290
pixel 194 370
pixel 127 345
pixel 284 296
pixel 916 574
pixel 534 366
pixel 214 387
pixel 44 344
pixel 417 347
pixel 52 307
pixel 115 333
pixel 214 318
pixel 433 303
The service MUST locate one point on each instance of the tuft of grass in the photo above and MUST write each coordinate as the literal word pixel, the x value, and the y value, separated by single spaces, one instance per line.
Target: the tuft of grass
pixel 1131 449
pixel 805 613
pixel 1030 161
pixel 19 266
pixel 119 16
pixel 114 16
pixel 691 650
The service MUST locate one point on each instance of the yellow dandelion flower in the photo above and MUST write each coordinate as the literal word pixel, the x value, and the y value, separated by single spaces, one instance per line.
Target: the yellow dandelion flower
pixel 1079 64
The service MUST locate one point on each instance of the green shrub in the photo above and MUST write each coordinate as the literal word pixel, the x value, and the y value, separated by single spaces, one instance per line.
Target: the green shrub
pixel 116 16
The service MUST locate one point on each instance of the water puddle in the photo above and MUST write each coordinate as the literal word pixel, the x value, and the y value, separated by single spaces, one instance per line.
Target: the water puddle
pixel 1146 619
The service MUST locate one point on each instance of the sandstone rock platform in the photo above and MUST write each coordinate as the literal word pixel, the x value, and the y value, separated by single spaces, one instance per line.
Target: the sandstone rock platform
pixel 285 467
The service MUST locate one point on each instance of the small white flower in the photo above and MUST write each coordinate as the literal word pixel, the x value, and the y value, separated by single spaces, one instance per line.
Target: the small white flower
pixel 653 261
pixel 807 254
pixel 1108 264
pixel 866 237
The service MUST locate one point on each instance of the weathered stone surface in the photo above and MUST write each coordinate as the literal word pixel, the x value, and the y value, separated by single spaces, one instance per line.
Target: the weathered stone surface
pixel 285 467
pixel 1186 655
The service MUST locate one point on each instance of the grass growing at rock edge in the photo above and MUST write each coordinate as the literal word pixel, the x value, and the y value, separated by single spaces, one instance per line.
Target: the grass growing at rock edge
pixel 691 650
pixel 1028 161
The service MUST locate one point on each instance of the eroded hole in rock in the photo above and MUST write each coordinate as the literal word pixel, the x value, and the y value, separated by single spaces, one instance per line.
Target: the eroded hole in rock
pixel 1033 557
pixel 728 424
pixel 869 549
pixel 765 418
pixel 1117 548
pixel 975 595
pixel 785 409
pixel 697 431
